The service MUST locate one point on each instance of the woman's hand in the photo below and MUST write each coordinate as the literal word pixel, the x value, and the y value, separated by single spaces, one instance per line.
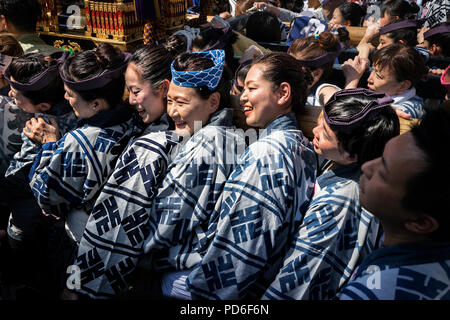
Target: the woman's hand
pixel 353 70
pixel 267 7
pixel 420 38
pixel 40 131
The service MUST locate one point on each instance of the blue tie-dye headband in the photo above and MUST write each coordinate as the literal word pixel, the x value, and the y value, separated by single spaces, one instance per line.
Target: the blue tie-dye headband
pixel 208 77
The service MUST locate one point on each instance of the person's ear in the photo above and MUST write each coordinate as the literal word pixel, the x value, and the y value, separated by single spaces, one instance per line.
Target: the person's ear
pixel 3 23
pixel 423 224
pixel 317 73
pixel 164 87
pixel 43 107
pixel 401 41
pixel 404 85
pixel 214 102
pixel 350 158
pixel 284 93
pixel 434 49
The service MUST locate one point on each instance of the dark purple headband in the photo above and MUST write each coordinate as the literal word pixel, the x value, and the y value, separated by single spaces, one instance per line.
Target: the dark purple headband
pixel 399 25
pixel 100 80
pixel 323 59
pixel 436 30
pixel 222 42
pixel 4 62
pixel 380 100
pixel 41 80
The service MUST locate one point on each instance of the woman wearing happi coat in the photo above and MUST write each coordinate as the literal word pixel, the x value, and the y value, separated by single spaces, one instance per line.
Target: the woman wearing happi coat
pixel 266 196
pixel 118 222
pixel 163 235
pixel 336 232
pixel 70 170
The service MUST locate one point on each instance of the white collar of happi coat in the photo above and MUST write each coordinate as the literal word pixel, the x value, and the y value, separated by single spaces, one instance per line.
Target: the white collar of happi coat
pixel 408 94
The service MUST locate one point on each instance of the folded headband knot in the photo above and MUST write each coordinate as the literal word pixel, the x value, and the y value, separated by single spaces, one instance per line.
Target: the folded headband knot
pixel 100 80
pixel 399 25
pixel 41 80
pixel 323 59
pixel 380 101
pixel 208 77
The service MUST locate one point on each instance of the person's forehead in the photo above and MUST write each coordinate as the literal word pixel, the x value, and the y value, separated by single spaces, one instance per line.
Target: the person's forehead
pixel 403 156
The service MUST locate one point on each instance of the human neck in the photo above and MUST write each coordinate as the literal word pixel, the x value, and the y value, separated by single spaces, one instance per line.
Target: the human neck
pixel 396 237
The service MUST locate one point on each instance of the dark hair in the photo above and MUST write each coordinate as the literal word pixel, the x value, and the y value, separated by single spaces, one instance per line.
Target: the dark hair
pixel 352 12
pixel 263 26
pixel 312 47
pixel 90 63
pixel 176 43
pixel 442 40
pixel 23 14
pixel 9 45
pixel 209 36
pixel 193 62
pixel 368 139
pixel 400 8
pixel 25 67
pixel 242 73
pixel 408 35
pixel 281 67
pixel 404 61
pixel 428 191
pixel 154 62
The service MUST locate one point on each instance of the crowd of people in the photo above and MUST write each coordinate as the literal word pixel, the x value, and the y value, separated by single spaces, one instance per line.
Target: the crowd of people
pixel 179 171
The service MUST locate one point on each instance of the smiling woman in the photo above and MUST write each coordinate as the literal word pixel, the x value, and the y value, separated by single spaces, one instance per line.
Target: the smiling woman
pixel 173 194
pixel 270 186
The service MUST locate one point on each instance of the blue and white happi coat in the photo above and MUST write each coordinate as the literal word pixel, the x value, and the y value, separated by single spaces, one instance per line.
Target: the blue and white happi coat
pixel 334 237
pixel 23 159
pixel 263 203
pixel 12 122
pixel 183 218
pixel 409 103
pixel 67 175
pixel 408 271
pixel 118 224
pixel 169 204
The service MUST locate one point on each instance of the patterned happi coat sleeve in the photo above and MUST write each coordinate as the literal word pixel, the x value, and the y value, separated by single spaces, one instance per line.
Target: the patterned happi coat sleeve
pixel 406 271
pixel 68 174
pixel 263 200
pixel 413 107
pixel 118 224
pixel 182 218
pixel 410 282
pixel 328 244
pixel 22 160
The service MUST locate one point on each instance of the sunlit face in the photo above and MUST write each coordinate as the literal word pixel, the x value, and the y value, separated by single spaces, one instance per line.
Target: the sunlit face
pixel 337 17
pixel 186 107
pixel 326 143
pixel 149 103
pixel 82 108
pixel 383 182
pixel 259 99
pixel 383 80
pixel 384 41
pixel 21 101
